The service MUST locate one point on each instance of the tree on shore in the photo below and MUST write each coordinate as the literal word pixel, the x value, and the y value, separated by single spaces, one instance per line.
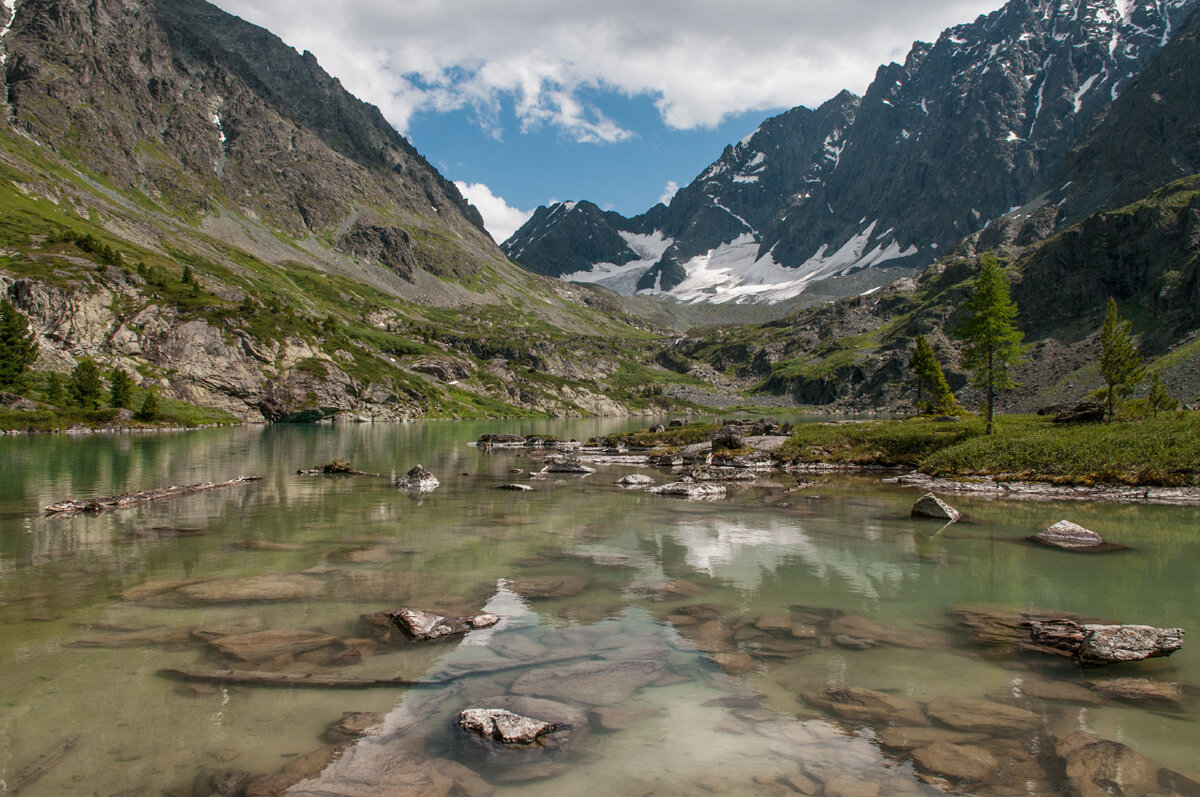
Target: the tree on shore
pixel 149 408
pixel 1120 361
pixel 85 386
pixel 992 343
pixel 120 388
pixel 1159 398
pixel 928 372
pixel 18 345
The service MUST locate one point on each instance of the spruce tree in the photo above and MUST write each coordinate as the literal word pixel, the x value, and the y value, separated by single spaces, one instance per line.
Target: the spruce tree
pixel 18 345
pixel 120 386
pixel 149 408
pixel 1159 398
pixel 929 374
pixel 85 386
pixel 1120 361
pixel 992 343
pixel 56 394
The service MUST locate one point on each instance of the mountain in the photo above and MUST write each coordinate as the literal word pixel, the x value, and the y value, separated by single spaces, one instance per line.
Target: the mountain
pixel 966 129
pixel 854 353
pixel 189 199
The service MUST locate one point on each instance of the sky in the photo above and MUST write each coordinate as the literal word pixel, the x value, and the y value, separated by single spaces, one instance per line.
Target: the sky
pixel 526 102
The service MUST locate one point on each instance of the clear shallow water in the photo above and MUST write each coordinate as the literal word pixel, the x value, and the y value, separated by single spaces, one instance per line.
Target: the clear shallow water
pixel 725 711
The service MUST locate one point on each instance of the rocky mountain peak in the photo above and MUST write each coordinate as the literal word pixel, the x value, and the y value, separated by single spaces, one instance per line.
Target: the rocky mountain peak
pixel 965 129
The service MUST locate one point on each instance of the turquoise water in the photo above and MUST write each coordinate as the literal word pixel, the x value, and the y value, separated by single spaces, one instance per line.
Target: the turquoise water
pixel 689 587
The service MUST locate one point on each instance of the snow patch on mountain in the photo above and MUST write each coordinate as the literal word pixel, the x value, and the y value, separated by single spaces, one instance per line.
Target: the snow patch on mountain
pixel 623 279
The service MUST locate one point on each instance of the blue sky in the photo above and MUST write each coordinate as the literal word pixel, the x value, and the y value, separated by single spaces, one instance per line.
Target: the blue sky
pixel 524 101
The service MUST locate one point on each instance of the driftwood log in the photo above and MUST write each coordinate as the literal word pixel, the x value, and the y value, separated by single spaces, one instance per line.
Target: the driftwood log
pixel 331 681
pixel 1093 643
pixel 336 467
pixel 43 764
pixel 73 506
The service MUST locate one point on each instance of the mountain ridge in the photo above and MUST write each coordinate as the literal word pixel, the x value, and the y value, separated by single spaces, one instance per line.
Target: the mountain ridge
pixel 965 129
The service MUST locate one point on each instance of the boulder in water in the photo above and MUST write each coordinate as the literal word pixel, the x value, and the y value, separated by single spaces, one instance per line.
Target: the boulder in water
pixel 419 480
pixel 929 505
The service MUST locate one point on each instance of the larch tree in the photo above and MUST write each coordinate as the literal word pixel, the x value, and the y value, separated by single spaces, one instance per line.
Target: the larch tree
pixel 991 341
pixel 928 372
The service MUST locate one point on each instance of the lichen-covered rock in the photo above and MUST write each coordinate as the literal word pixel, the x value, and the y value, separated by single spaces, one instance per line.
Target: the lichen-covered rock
pixel 930 506
pixel 423 625
pixel 566 465
pixel 503 726
pixel 693 491
pixel 1093 643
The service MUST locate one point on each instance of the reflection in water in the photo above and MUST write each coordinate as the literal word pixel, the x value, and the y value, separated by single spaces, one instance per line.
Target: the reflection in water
pixel 773 642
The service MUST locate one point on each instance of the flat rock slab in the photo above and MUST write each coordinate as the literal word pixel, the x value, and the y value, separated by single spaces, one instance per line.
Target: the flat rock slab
pixel 264 645
pixel 930 506
pixel 958 761
pixel 1142 690
pixel 982 716
pixel 605 683
pixel 906 738
pixel 864 629
pixel 867 705
pixel 635 480
pixel 293 587
pixel 548 586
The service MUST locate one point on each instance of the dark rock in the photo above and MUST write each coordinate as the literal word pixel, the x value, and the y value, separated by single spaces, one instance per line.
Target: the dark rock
pixel 516 488
pixel 729 438
pixel 566 465
pixel 444 370
pixel 423 625
pixel 930 506
pixel 1084 412
pixel 675 423
pixel 657 428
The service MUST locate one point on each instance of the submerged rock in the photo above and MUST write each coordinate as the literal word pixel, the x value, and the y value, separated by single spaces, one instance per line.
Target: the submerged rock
pixel 958 761
pixel 1090 643
pixel 548 586
pixel 418 479
pixel 515 488
pixel 1065 534
pixel 593 683
pixel 352 725
pixel 982 716
pixel 930 506
pixel 867 705
pixel 1094 766
pixel 264 645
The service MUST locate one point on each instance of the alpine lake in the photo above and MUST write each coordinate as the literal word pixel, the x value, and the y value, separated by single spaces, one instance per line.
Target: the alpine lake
pixel 789 638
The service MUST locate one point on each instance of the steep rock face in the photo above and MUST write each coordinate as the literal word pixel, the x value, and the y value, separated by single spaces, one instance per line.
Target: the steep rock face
pixel 197 109
pixel 964 130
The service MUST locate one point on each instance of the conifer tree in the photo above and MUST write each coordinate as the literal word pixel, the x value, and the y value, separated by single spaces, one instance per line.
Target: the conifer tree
pixel 929 374
pixel 85 386
pixel 56 394
pixel 120 386
pixel 1120 361
pixel 992 343
pixel 149 408
pixel 1159 398
pixel 18 345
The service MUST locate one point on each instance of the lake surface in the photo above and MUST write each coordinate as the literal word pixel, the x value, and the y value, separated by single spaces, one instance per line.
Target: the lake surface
pixel 684 632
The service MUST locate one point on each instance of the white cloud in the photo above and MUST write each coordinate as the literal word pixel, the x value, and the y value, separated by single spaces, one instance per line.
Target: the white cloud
pixel 500 220
pixel 701 60
pixel 669 191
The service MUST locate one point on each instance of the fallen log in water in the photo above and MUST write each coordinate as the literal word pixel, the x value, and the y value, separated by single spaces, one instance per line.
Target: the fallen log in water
pixel 329 681
pixel 262 678
pixel 44 763
pixel 72 506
